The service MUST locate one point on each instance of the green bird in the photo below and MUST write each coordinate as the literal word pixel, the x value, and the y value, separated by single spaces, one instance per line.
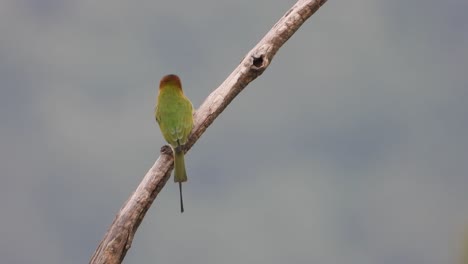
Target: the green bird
pixel 174 115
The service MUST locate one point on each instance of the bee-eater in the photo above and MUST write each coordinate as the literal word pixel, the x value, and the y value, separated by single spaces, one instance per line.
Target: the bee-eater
pixel 174 115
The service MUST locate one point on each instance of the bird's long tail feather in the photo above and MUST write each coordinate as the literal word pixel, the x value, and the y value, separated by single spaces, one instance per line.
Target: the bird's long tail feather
pixel 180 175
pixel 181 199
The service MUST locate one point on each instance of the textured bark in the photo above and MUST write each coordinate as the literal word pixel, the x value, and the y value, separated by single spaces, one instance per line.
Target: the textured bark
pixel 119 237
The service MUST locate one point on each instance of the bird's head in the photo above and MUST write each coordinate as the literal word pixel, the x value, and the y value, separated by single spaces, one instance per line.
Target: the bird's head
pixel 170 80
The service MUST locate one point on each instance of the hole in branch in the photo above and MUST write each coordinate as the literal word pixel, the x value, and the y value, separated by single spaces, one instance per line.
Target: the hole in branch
pixel 258 62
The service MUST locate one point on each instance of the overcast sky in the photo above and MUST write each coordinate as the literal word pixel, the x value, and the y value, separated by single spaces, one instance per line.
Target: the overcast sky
pixel 352 147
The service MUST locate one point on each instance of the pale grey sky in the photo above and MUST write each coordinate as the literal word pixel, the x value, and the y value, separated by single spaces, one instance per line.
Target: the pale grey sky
pixel 351 148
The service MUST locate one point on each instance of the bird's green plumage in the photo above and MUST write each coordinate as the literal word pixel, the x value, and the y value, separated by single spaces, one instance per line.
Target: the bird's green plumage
pixel 174 114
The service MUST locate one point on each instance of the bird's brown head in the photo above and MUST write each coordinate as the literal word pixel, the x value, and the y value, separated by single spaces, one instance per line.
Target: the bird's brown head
pixel 170 80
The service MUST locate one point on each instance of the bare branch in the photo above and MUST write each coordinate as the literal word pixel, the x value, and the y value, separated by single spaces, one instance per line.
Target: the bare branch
pixel 119 237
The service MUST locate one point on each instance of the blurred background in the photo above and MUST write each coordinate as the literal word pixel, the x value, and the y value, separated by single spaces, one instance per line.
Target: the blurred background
pixel 351 148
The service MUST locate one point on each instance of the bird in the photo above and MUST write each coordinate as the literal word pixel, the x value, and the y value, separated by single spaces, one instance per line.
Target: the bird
pixel 174 114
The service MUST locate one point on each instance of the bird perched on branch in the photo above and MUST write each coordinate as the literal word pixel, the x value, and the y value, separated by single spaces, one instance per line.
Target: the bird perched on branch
pixel 174 115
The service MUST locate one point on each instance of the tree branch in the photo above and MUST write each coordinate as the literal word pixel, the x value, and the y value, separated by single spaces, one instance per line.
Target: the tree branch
pixel 119 237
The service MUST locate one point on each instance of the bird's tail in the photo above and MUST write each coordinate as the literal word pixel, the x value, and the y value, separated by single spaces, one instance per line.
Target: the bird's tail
pixel 180 175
